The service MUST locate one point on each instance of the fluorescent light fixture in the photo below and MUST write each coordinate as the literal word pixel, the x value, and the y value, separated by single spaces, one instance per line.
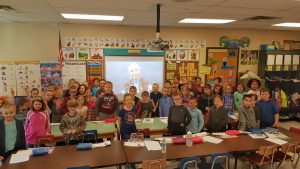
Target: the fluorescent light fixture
pixel 212 21
pixel 288 24
pixel 93 17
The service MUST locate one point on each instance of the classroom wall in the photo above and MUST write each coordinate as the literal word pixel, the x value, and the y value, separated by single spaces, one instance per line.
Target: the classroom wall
pixel 39 41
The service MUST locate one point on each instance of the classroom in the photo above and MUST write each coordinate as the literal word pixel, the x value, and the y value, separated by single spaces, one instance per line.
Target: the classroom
pixel 149 84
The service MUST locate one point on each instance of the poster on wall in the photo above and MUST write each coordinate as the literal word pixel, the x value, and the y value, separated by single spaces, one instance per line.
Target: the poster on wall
pixel 182 54
pixel 8 78
pixel 50 74
pixel 28 75
pixel 94 69
pixel 73 70
pixel 171 55
pixel 96 54
pixel 223 62
pixel 194 55
pixel 68 53
pixel 249 57
pixel 82 53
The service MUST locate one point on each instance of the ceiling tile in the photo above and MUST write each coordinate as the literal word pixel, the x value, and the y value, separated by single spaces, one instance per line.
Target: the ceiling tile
pixel 262 4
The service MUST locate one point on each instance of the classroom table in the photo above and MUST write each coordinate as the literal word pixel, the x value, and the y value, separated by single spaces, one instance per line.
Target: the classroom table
pixel 156 128
pixel 105 130
pixel 235 145
pixel 68 156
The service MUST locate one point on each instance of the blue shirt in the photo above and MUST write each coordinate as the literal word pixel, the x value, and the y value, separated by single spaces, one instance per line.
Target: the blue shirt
pixel 127 125
pixel 267 109
pixel 228 102
pixel 95 90
pixel 164 106
pixel 197 121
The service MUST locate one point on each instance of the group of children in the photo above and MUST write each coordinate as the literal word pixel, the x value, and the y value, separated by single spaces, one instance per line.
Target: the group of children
pixel 188 105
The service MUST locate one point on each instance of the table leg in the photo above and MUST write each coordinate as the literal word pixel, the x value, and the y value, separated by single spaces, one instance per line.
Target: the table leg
pixel 235 160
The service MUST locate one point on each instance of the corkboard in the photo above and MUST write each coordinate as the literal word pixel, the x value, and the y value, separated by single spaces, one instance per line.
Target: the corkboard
pixel 187 69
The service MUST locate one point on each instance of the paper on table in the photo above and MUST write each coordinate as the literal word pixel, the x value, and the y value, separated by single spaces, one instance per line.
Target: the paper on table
pixel 103 144
pixel 164 119
pixel 152 145
pixel 278 135
pixel 148 120
pixel 212 139
pixel 276 141
pixel 134 144
pixel 257 136
pixel 233 117
pixel 197 134
pixel 219 134
pixel 19 157
pixel 167 139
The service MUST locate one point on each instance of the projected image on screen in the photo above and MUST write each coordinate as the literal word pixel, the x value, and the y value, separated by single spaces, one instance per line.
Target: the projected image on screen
pixel 140 72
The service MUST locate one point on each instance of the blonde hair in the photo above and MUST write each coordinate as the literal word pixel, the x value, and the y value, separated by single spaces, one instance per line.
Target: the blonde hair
pixel 72 103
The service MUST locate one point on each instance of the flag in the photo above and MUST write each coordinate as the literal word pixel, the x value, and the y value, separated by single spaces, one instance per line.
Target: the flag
pixel 60 56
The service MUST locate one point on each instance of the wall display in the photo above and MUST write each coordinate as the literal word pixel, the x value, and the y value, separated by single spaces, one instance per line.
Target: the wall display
pixel 249 57
pixel 224 63
pixel 82 53
pixel 96 54
pixel 234 42
pixel 94 69
pixel 194 55
pixel 8 78
pixel 28 74
pixel 182 54
pixel 51 73
pixel 68 53
pixel 170 70
pixel 186 69
pixel 171 55
pixel 73 69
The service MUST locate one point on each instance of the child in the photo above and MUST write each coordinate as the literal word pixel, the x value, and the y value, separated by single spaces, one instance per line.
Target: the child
pixel 58 96
pixel 218 90
pixel 145 106
pixel 190 87
pixel 179 117
pixel 217 118
pixel 254 85
pixel 37 122
pixel 22 109
pixel 127 118
pixel 155 95
pixel 168 85
pixel 70 84
pixel 81 109
pixel 81 90
pixel 247 119
pixel 72 123
pixel 12 136
pixel 102 84
pixel 238 96
pixel 228 98
pixel 107 103
pixel 96 86
pixel 132 92
pixel 217 81
pixel 33 94
pixel 165 103
pixel 55 115
pixel 268 110
pixel 206 99
pixel 174 89
pixel 90 101
pixel 197 121
pixel 255 108
pixel 198 89
pixel 72 95
pixel 185 95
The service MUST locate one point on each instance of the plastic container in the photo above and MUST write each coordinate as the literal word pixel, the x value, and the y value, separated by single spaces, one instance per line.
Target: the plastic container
pixel 163 146
pixel 189 139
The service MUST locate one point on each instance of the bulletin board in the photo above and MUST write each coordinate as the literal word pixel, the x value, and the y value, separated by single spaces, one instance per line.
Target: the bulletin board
pixel 51 73
pixel 186 69
pixel 224 63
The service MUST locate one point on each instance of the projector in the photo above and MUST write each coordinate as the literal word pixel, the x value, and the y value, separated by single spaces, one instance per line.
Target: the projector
pixel 158 45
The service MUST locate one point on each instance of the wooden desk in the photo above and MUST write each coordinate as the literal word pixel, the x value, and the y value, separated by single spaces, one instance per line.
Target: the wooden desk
pixel 105 130
pixel 68 156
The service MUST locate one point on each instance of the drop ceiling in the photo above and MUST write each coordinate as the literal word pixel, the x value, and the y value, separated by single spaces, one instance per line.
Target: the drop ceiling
pixel 143 12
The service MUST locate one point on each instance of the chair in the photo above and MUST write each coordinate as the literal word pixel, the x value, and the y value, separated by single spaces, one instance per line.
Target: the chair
pixel 265 156
pixel 283 155
pixel 189 162
pixel 90 135
pixel 216 163
pixel 154 164
pixel 145 131
pixel 46 140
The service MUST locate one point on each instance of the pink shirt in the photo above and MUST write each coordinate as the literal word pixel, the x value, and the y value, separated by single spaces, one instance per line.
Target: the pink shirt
pixel 37 124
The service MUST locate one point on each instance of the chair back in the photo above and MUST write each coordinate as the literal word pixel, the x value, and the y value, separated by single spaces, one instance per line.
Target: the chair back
pixel 154 164
pixel 188 162
pixel 220 158
pixel 90 135
pixel 46 140
pixel 267 152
